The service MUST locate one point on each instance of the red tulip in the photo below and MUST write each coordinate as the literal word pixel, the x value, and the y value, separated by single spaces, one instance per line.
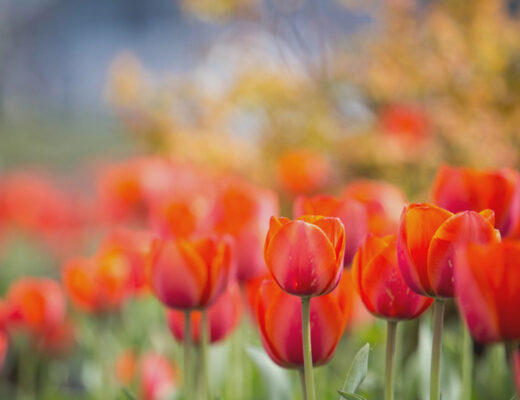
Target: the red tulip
pixel 157 377
pixel 37 305
pixel 171 217
pixel 242 211
pixel 223 317
pixel 302 171
pixel 279 318
pixel 97 285
pixel 128 250
pixel 4 345
pixel 383 203
pixel 459 189
pixel 305 256
pixel 427 242
pixel 380 284
pixel 191 274
pixel 406 122
pixel 352 214
pixel 488 290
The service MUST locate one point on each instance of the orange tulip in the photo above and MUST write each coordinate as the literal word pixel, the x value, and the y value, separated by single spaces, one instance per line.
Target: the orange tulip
pixel 302 171
pixel 352 214
pixel 305 256
pixel 223 317
pixel 126 366
pixel 242 211
pixel 488 290
pixel 127 250
pixel 459 189
pixel 406 122
pixel 279 318
pixel 97 285
pixel 380 284
pixel 383 203
pixel 191 274
pixel 427 242
pixel 37 305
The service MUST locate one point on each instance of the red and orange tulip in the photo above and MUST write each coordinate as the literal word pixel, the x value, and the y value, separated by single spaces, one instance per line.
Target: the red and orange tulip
pixel 302 171
pixel 191 274
pixel 97 285
pixel 223 317
pixel 352 214
pixel 460 189
pixel 305 255
pixel 380 284
pixel 279 318
pixel 427 242
pixel 488 290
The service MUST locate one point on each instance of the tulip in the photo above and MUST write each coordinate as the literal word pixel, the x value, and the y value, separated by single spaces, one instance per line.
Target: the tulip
pixel 125 367
pixel 242 211
pixel 97 285
pixel 406 122
pixel 190 275
pixel 352 214
pixel 157 377
pixel 488 290
pixel 460 189
pixel 305 256
pixel 4 345
pixel 223 317
pixel 384 292
pixel 428 240
pixel 36 305
pixel 383 203
pixel 302 171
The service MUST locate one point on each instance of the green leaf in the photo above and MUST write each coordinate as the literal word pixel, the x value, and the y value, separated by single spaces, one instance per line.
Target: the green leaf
pixel 357 371
pixel 127 395
pixel 276 378
pixel 350 396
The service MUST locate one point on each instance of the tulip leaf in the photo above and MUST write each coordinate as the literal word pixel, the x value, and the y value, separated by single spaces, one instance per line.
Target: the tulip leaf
pixel 357 371
pixel 350 396
pixel 276 378
pixel 127 395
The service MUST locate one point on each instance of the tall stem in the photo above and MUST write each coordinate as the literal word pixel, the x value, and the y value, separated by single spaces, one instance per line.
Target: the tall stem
pixel 391 333
pixel 307 351
pixel 435 372
pixel 187 355
pixel 467 363
pixel 301 375
pixel 204 354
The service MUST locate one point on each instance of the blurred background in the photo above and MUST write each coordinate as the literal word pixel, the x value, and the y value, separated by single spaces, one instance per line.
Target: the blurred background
pixel 299 96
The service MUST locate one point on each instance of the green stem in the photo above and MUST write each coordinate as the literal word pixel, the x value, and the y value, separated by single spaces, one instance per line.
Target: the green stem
pixel 26 375
pixel 307 351
pixel 301 374
pixel 467 363
pixel 435 372
pixel 391 333
pixel 187 356
pixel 204 354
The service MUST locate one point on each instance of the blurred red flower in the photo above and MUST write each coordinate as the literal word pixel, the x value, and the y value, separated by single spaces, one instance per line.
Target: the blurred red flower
pixel 302 171
pixel 223 317
pixel 408 123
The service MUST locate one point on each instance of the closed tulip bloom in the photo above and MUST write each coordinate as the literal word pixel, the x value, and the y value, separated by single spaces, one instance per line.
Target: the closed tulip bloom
pixel 427 242
pixel 223 317
pixel 488 290
pixel 352 214
pixel 157 377
pixel 380 284
pixel 305 255
pixel 36 305
pixel 383 203
pixel 191 274
pixel 97 285
pixel 459 189
pixel 279 319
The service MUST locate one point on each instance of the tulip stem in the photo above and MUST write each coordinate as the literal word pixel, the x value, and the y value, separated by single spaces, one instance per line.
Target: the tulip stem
pixel 187 356
pixel 204 353
pixel 391 333
pixel 467 363
pixel 301 374
pixel 307 350
pixel 435 372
